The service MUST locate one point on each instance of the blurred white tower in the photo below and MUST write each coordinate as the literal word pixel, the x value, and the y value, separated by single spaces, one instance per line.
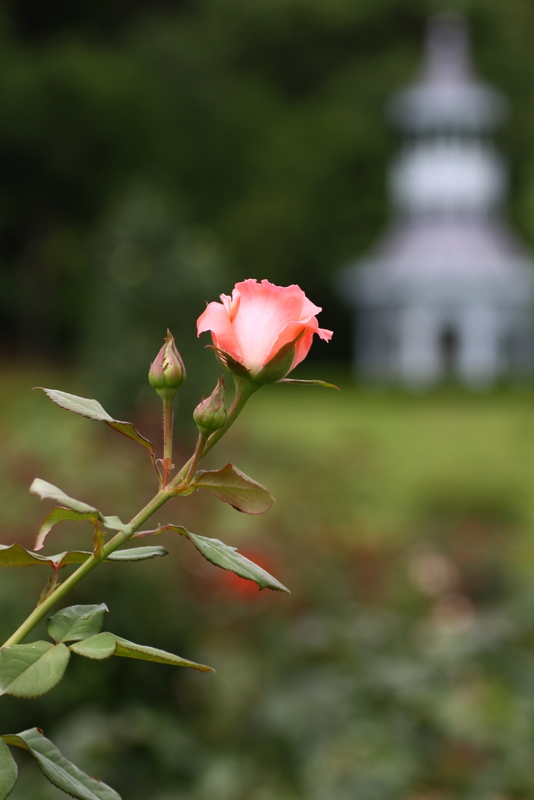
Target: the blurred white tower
pixel 448 292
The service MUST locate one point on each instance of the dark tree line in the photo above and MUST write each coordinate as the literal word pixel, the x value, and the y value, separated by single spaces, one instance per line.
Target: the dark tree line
pixel 212 140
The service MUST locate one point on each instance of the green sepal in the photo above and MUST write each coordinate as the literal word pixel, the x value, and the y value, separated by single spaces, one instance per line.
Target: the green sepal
pixel 30 670
pixel 59 771
pixel 104 645
pixel 324 384
pixel 8 771
pixel 280 364
pixel 91 409
pixel 14 555
pixel 234 487
pixel 225 556
pixel 272 372
pixel 230 363
pixel 74 623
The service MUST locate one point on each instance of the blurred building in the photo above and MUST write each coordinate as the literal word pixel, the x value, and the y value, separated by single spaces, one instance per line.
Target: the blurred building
pixel 448 292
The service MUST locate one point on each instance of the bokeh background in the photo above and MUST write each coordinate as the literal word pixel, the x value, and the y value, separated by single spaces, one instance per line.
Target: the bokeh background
pixel 151 154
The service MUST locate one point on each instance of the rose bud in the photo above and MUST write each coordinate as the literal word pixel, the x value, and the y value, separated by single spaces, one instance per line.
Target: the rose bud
pixel 167 371
pixel 211 414
pixel 262 331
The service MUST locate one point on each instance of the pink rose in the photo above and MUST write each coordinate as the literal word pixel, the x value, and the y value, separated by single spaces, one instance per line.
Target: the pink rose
pixel 255 323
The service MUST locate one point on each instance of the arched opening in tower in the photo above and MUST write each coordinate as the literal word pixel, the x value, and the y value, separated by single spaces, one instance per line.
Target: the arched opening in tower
pixel 449 347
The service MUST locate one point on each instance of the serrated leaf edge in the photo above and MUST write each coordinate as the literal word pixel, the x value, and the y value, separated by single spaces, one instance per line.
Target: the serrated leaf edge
pixel 38 694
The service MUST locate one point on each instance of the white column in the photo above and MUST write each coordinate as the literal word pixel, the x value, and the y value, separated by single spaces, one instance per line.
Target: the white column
pixel 418 354
pixel 479 358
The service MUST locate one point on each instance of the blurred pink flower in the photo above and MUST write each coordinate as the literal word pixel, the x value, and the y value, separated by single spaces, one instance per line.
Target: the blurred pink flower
pixel 258 320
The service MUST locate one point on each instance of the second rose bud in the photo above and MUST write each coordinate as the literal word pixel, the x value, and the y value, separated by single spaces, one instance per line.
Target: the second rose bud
pixel 211 414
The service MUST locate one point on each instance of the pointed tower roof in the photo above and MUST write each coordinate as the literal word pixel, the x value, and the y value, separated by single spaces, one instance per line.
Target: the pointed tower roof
pixel 458 260
pixel 447 94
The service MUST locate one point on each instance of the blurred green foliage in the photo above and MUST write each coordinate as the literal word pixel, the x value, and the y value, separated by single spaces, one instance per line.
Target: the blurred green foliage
pixel 399 668
pixel 152 154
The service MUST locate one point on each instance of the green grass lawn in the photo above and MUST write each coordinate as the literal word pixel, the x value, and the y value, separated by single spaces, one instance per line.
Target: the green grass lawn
pixel 384 463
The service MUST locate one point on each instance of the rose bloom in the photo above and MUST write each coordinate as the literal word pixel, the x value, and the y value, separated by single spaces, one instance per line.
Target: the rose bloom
pixel 258 320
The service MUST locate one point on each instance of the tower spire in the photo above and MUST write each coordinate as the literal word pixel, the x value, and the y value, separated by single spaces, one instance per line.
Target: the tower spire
pixel 447 94
pixel 447 52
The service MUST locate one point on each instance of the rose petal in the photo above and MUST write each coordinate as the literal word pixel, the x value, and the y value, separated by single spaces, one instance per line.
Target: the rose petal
pixel 305 342
pixel 215 319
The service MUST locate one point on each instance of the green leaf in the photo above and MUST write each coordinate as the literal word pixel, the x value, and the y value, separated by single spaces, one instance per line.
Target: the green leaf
pixel 8 771
pixel 227 557
pixel 93 410
pixel 14 555
pixel 224 556
pixel 128 649
pixel 98 647
pixel 311 383
pixel 48 491
pixel 75 510
pixel 114 524
pixel 160 529
pixel 234 487
pixel 76 622
pixel 59 514
pixel 79 405
pixel 137 553
pixel 128 429
pixel 106 644
pixel 29 670
pixel 60 772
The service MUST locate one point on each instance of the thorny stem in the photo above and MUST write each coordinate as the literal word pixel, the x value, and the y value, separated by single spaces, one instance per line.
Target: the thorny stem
pixel 197 457
pixel 168 415
pixel 244 389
